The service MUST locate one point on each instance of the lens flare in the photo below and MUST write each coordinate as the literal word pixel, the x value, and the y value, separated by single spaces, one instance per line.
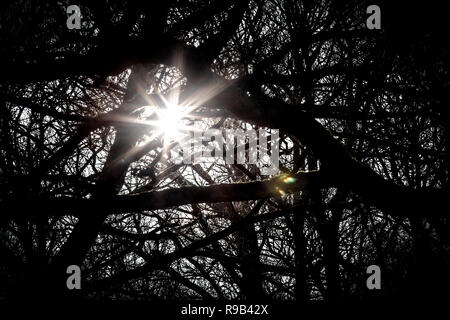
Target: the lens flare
pixel 289 180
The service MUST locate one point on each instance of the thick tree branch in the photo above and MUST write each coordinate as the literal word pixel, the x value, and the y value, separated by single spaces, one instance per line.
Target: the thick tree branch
pixel 168 198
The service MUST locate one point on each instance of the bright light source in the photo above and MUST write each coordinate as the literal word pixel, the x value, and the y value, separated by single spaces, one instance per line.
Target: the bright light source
pixel 170 122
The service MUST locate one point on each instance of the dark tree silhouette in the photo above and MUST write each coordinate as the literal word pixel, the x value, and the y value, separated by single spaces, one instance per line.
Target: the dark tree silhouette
pixel 87 177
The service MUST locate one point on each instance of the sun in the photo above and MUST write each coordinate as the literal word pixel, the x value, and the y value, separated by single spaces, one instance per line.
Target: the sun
pixel 170 122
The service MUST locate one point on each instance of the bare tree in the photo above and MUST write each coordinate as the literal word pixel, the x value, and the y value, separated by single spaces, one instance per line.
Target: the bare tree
pixel 88 177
